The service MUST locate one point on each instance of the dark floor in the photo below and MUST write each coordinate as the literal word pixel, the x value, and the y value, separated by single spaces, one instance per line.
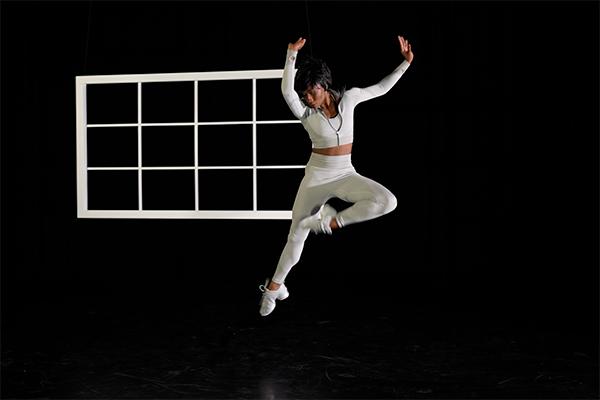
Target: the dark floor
pixel 146 343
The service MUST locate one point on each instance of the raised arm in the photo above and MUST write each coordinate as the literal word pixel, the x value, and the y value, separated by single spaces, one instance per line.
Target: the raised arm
pixel 389 81
pixel 287 82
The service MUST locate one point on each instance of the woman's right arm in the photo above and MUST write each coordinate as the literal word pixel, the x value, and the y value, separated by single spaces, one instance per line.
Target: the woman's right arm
pixel 287 82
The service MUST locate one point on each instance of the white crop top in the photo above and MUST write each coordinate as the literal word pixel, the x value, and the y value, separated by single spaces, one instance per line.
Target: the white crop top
pixel 323 131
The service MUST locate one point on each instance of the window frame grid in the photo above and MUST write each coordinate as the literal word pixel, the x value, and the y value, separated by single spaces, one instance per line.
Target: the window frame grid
pixel 81 83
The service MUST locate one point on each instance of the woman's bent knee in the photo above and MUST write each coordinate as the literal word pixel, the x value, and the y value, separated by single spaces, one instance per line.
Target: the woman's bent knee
pixel 393 203
pixel 389 203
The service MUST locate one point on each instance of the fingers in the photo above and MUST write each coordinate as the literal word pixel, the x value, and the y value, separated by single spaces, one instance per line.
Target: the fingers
pixel 298 44
pixel 404 44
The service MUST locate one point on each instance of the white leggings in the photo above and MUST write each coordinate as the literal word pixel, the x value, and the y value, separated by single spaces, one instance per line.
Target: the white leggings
pixel 326 177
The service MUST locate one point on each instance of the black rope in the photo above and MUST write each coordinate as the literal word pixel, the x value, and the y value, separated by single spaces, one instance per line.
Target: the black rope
pixel 308 27
pixel 87 37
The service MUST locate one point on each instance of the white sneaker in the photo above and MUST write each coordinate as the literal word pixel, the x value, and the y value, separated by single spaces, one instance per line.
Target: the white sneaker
pixel 267 302
pixel 319 222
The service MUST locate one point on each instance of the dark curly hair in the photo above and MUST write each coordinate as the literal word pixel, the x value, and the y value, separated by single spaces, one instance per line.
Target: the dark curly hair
pixel 313 71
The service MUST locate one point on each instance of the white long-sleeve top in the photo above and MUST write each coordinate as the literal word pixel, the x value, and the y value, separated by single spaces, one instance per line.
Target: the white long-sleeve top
pixel 327 132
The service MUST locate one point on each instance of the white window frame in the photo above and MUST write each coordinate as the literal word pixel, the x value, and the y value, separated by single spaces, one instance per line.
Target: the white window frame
pixel 81 83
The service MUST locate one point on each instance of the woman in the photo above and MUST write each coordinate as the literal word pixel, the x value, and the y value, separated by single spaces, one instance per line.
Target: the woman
pixel 327 116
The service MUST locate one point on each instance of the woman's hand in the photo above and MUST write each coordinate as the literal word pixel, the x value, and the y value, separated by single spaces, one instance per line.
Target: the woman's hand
pixel 406 49
pixel 298 45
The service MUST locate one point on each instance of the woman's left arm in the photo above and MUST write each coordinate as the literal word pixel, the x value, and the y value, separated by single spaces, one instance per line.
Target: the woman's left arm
pixel 389 81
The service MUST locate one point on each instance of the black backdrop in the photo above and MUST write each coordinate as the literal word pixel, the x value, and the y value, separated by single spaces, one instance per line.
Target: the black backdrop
pixel 489 141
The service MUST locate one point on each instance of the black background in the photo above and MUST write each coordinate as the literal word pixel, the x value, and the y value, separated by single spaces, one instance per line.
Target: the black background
pixel 489 141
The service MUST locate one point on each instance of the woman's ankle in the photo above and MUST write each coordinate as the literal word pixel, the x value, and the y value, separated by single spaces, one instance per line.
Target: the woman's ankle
pixel 273 285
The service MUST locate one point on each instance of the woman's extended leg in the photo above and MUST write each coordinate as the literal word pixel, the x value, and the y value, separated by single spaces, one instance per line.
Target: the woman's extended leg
pixel 308 201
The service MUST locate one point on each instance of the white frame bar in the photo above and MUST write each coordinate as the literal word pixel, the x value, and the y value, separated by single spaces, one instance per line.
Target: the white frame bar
pixel 81 83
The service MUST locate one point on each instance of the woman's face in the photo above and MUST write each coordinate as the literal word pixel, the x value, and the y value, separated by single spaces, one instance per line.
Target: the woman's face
pixel 314 96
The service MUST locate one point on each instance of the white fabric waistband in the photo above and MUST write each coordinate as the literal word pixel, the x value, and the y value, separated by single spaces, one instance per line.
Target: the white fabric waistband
pixel 323 161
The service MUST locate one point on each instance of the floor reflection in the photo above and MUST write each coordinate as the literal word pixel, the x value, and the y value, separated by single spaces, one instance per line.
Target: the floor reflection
pixel 141 349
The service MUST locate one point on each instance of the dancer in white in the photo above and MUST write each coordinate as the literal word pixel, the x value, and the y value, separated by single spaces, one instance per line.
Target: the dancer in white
pixel 328 117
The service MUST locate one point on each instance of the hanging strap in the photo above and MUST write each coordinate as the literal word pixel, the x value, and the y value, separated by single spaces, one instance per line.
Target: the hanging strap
pixel 87 37
pixel 308 27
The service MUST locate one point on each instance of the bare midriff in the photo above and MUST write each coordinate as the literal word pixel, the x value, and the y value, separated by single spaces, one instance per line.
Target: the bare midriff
pixel 334 151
